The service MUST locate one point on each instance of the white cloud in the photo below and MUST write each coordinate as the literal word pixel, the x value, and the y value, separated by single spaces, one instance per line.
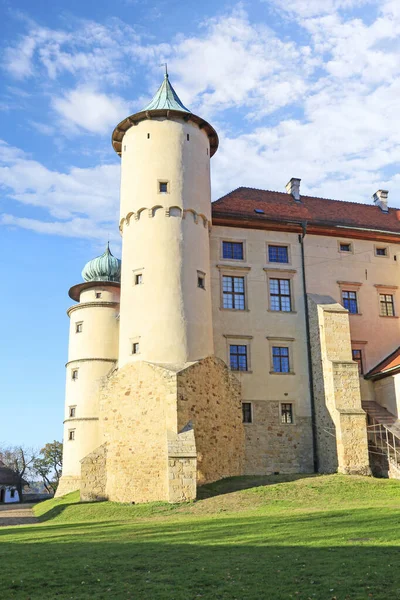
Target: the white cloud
pixel 73 198
pixel 313 8
pixel 91 110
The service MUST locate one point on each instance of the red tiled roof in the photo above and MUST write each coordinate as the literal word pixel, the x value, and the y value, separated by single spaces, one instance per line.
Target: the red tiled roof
pixel 280 206
pixel 388 364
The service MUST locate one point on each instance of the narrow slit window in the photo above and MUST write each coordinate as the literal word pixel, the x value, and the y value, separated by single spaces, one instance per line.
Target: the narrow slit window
pixel 148 136
pixel 98 294
pixel 201 282
pixel 135 348
pixel 78 327
pixel 247 412
pixel 74 374
pixel 71 435
pixel 187 137
pixel 287 413
pixel 138 279
pixel 72 411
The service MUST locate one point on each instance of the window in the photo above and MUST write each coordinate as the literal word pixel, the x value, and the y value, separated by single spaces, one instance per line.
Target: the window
pixel 344 247
pixel 138 279
pixel 246 412
pixel 74 374
pixel 280 359
pixel 278 254
pixel 279 290
pixel 238 357
pixel 287 413
pixel 72 411
pixel 349 301
pixel 78 327
pixel 357 356
pixel 163 187
pixel 387 305
pixel 233 292
pixel 12 493
pixel 148 136
pixel 381 251
pixel 98 294
pixel 135 348
pixel 201 281
pixel 232 250
pixel 187 137
pixel 71 435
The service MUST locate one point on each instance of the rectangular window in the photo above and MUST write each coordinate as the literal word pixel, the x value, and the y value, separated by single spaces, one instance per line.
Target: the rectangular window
pixel 78 327
pixel 344 247
pixel 74 374
pixel 357 356
pixel 201 282
pixel 238 357
pixel 12 493
pixel 280 359
pixel 232 250
pixel 138 279
pixel 279 290
pixel 71 435
pixel 233 292
pixel 246 411
pixel 98 294
pixel 287 413
pixel 135 348
pixel 163 187
pixel 387 305
pixel 381 251
pixel 278 254
pixel 349 301
pixel 72 411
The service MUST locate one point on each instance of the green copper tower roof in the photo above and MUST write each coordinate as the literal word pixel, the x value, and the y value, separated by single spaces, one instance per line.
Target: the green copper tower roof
pixel 166 98
pixel 103 268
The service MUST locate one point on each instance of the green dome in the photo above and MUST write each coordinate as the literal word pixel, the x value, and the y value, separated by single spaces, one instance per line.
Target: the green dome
pixel 103 268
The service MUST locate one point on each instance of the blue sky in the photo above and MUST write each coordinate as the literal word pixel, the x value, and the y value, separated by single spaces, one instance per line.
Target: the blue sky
pixel 295 88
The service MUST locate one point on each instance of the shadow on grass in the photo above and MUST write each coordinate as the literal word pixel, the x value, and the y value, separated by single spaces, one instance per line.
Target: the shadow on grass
pixel 346 555
pixel 234 484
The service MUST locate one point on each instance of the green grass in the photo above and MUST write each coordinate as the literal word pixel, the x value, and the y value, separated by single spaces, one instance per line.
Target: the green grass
pixel 301 537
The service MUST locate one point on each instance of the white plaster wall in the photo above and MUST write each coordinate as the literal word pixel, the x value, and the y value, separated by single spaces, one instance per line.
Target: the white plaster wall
pixel 168 315
pixel 386 391
pixel 94 353
pixel 7 496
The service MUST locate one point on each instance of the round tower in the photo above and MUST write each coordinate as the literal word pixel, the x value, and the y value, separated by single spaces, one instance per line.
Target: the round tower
pixel 165 219
pixel 92 354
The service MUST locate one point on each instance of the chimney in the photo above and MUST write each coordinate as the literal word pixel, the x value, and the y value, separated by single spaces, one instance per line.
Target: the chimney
pixel 380 199
pixel 293 187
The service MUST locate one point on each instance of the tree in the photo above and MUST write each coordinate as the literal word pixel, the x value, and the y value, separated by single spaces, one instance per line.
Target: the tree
pixel 48 465
pixel 20 460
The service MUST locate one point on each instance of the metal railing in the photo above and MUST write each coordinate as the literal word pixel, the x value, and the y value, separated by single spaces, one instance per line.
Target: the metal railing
pixel 383 439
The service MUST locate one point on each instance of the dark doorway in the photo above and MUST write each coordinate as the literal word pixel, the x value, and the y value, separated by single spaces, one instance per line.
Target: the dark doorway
pixel 2 495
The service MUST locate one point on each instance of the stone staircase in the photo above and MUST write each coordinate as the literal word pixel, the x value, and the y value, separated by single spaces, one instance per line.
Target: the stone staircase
pixel 382 416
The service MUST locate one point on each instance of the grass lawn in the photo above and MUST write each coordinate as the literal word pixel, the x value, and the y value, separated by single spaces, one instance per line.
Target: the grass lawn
pixel 302 537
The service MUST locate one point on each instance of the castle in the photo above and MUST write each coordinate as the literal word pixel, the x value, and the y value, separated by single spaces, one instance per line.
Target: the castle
pixel 250 336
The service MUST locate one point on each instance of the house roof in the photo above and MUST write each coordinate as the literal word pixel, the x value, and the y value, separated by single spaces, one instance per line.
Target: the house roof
pixel 8 476
pixel 388 366
pixel 281 207
pixel 166 98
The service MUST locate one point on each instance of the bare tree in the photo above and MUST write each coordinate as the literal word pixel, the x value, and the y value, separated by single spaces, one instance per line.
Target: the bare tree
pixel 20 460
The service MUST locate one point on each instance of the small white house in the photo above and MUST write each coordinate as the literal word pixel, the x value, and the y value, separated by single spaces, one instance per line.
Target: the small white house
pixel 8 485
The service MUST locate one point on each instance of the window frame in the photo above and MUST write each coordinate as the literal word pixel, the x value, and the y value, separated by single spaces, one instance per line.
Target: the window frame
pixel 281 342
pixel 78 326
pixel 135 349
pixel 283 420
pixel 351 286
pixel 97 295
pixel 74 374
pixel 250 407
pixel 380 247
pixel 201 276
pixel 285 274
pixel 161 182
pixel 280 354
pixel 238 340
pixel 137 276
pixel 238 355
pixel 360 362
pixel 345 243
pixel 278 245
pixel 350 300
pixel 233 241
pixel 71 435
pixel 386 303
pixel 70 409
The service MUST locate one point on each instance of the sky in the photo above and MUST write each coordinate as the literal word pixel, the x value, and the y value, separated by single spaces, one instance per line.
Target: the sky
pixel 295 88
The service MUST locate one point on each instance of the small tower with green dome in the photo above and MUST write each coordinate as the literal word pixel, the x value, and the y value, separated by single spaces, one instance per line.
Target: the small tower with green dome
pixel 93 353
